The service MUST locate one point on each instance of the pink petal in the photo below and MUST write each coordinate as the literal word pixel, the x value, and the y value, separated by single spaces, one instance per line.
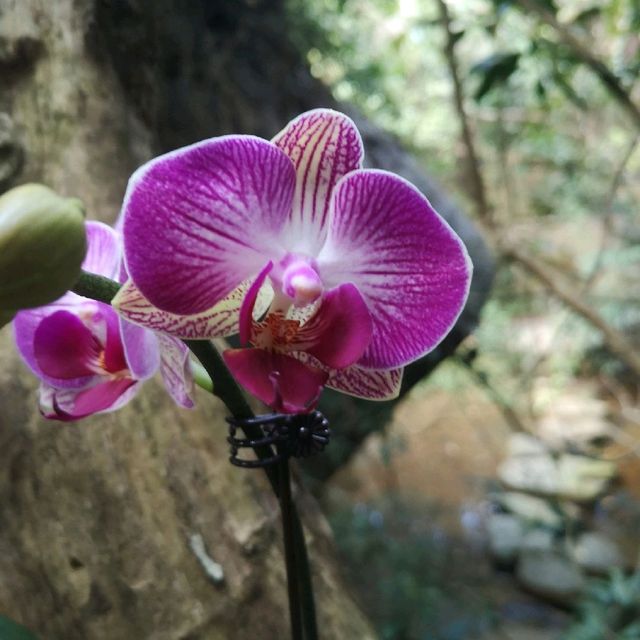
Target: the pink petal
pixel 371 384
pixel 64 349
pixel 294 388
pixel 73 404
pixel 200 220
pixel 340 331
pixel 25 325
pixel 141 350
pixel 103 250
pixel 176 371
pixel 218 322
pixel 114 356
pixel 324 145
pixel 249 303
pixel 411 268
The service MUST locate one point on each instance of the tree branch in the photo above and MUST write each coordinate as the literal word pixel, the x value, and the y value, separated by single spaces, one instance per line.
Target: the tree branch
pixel 587 57
pixel 477 188
pixel 616 341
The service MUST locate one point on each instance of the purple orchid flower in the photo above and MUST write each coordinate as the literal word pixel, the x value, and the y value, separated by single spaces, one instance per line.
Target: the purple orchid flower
pixel 335 275
pixel 88 359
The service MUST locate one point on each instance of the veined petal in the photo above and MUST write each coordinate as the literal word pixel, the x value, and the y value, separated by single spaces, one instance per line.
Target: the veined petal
pixel 141 350
pixel 249 303
pixel 409 265
pixel 103 250
pixel 74 404
pixel 281 382
pixel 176 371
pixel 324 145
pixel 200 220
pixel 340 331
pixel 65 349
pixel 370 384
pixel 218 322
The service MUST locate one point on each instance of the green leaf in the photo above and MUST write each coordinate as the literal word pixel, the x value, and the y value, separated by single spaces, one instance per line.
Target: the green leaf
pixel 494 70
pixel 10 630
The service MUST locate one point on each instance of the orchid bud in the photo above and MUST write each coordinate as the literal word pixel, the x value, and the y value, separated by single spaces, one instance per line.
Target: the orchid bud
pixel 42 246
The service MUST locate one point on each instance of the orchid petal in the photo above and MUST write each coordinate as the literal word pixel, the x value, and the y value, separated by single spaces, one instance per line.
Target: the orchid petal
pixel 371 384
pixel 324 145
pixel 64 349
pixel 25 325
pixel 176 371
pixel 411 268
pixel 141 350
pixel 249 303
pixel 218 322
pixel 200 220
pixel 114 352
pixel 74 404
pixel 340 331
pixel 281 382
pixel 103 250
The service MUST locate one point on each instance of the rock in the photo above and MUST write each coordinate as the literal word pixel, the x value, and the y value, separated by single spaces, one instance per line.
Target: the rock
pixel 584 479
pixel 536 473
pixel 522 444
pixel 537 540
pixel 569 476
pixel 530 508
pixel 551 575
pixel 573 415
pixel 596 553
pixel 505 536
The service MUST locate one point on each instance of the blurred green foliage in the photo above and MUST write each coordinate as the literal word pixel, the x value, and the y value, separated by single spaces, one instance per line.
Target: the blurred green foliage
pixel 610 610
pixel 561 174
pixel 550 138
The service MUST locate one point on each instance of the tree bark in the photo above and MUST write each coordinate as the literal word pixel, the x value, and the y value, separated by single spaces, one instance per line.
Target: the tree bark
pixel 100 519
pixel 106 525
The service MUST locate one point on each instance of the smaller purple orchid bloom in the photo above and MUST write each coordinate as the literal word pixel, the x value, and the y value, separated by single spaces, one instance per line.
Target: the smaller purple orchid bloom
pixel 334 275
pixel 88 359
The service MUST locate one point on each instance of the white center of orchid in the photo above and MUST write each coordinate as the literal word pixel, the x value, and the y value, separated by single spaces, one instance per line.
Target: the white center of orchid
pixel 301 282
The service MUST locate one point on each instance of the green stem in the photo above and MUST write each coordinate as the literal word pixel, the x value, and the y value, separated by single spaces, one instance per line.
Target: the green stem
pixel 290 556
pixel 200 375
pixel 225 387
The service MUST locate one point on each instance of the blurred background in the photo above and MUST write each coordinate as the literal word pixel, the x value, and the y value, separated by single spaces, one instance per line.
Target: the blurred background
pixel 502 500
pixel 499 497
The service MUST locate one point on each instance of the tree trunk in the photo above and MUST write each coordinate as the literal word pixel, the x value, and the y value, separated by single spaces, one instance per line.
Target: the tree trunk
pixel 99 520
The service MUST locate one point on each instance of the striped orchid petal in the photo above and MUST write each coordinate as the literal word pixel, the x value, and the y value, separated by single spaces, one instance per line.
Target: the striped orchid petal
pixel 324 146
pixel 176 371
pixel 201 220
pixel 370 384
pixel 218 322
pixel 410 267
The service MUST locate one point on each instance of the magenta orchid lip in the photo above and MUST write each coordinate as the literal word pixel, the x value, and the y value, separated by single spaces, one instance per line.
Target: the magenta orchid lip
pixel 293 244
pixel 88 359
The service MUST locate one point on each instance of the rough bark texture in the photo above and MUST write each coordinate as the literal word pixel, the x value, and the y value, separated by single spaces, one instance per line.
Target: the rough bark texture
pixel 96 518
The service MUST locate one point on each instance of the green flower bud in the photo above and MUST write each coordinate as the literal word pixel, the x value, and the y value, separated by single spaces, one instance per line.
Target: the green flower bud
pixel 42 246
